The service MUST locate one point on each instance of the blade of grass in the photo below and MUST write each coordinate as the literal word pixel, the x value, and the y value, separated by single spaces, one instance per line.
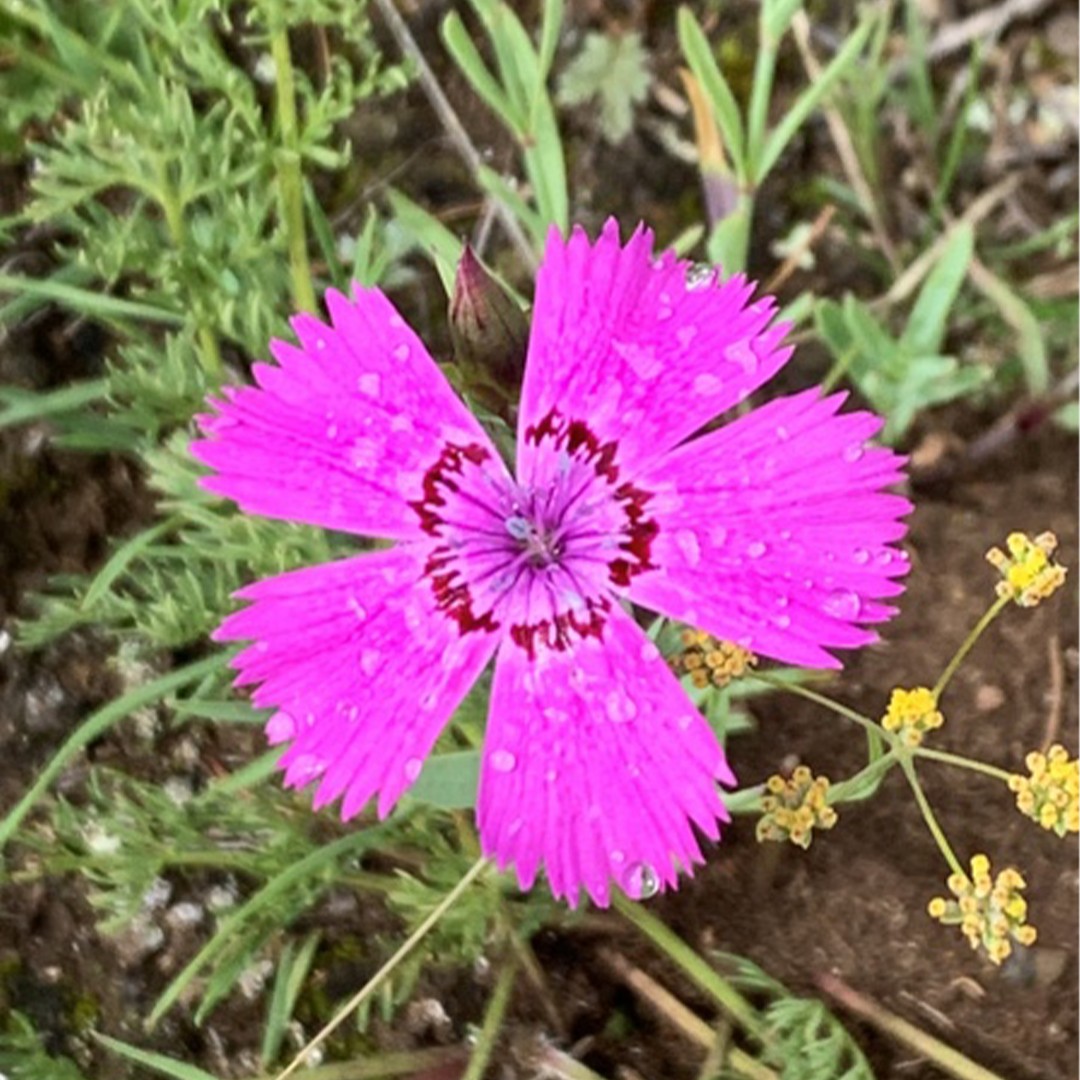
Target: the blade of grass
pixel 99 305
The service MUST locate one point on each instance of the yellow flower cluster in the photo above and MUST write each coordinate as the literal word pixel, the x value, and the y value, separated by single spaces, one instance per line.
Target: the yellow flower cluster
pixel 1050 794
pixel 707 660
pixel 793 808
pixel 911 714
pixel 1027 572
pixel 991 913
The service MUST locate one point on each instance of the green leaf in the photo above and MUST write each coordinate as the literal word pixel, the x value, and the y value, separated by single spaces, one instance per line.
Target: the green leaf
pixel 925 330
pixel 439 243
pixel 157 1062
pixel 293 967
pixel 615 71
pixel 809 100
pixel 86 301
pixel 467 57
pixel 26 406
pixel 699 56
pixel 449 781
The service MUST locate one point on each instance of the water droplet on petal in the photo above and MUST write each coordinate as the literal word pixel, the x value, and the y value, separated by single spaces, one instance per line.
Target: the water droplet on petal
pixel 412 768
pixel 331 431
pixel 707 385
pixel 620 707
pixel 402 353
pixel 503 761
pixel 369 661
pixel 556 716
pixel 320 343
pixel 649 652
pixel 782 621
pixel 280 728
pixel 861 556
pixel 369 384
pixel 842 604
pixel 357 609
pixel 742 353
pixel 664 310
pixel 640 882
pixel 756 548
pixel 551 775
pixel 854 452
pixel 685 334
pixel 688 544
pixel 883 557
pixel 304 769
pixel 782 433
pixel 685 722
pixel 617 857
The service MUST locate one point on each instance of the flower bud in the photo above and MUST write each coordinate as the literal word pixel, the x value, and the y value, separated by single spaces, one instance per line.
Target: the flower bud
pixel 490 335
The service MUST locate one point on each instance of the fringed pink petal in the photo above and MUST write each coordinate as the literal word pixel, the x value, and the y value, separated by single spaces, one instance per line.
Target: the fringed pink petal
pixel 774 531
pixel 596 767
pixel 362 669
pixel 341 431
pixel 620 339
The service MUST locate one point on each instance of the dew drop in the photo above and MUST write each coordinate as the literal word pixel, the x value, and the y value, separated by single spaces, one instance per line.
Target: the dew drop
pixel 402 353
pixel 556 716
pixel 883 557
pixel 742 354
pixel 503 761
pixel 369 661
pixel 782 621
pixel 617 857
pixel 861 556
pixel 369 384
pixel 551 775
pixel 395 321
pixel 412 768
pixel 707 385
pixel 357 609
pixel 782 433
pixel 304 769
pixel 685 722
pixel 685 334
pixel 649 652
pixel 620 708
pixel 320 343
pixel 842 604
pixel 756 548
pixel 640 882
pixel 854 452
pixel 331 431
pixel 280 728
pixel 688 544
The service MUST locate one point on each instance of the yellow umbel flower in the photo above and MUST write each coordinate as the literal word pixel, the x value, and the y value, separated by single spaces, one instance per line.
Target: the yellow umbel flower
pixel 991 913
pixel 793 808
pixel 1028 574
pixel 911 714
pixel 1050 793
pixel 707 660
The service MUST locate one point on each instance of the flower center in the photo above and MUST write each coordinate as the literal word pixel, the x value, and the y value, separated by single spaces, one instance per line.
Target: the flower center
pixel 541 558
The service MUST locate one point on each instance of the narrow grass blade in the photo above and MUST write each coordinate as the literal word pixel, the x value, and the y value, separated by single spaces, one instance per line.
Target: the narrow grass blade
pixel 159 1063
pixel 26 406
pixel 86 301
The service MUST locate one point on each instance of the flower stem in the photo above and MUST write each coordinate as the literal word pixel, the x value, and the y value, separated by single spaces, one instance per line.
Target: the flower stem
pixel 821 699
pixel 290 183
pixel 387 969
pixel 667 941
pixel 962 763
pixel 988 617
pixel 493 1019
pixel 931 821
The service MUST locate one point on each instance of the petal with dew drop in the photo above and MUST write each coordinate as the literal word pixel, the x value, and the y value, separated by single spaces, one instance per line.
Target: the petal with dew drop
pixel 774 531
pixel 363 670
pixel 597 766
pixel 341 431
pixel 619 337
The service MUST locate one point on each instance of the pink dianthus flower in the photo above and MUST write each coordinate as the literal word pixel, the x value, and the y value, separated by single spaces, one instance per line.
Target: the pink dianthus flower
pixel 772 531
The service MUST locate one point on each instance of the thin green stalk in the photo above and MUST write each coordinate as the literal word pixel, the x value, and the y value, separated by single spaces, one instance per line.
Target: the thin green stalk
pixel 931 821
pixel 711 981
pixel 821 699
pixel 758 111
pixel 950 670
pixel 387 969
pixel 209 352
pixel 290 181
pixel 962 763
pixel 484 1046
